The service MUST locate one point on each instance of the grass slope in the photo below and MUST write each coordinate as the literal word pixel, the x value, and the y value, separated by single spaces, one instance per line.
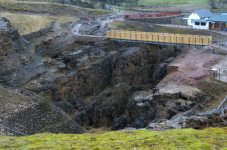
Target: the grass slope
pixel 26 23
pixel 171 2
pixel 209 139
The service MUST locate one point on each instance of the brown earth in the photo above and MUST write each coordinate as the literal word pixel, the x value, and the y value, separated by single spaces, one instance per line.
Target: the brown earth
pixel 190 73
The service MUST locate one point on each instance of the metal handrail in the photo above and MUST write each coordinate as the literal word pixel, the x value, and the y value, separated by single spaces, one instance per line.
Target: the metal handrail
pixel 12 130
pixel 222 103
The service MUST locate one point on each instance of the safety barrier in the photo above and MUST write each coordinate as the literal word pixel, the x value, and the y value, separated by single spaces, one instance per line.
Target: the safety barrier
pixel 160 38
pixel 153 15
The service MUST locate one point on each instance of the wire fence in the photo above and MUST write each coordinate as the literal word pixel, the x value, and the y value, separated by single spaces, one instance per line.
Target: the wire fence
pixel 219 74
pixel 4 129
pixel 219 43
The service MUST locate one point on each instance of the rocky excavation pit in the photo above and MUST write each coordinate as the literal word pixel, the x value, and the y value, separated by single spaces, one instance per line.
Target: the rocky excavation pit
pixel 77 84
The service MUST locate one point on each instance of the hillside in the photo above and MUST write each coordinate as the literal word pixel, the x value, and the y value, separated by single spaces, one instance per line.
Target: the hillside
pixel 29 17
pixel 68 86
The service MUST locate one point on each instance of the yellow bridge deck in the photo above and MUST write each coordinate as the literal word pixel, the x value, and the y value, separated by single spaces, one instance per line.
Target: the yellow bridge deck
pixel 159 38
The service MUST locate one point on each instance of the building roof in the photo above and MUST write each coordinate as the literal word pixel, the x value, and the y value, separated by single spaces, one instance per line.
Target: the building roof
pixel 224 14
pixel 204 13
pixel 199 20
pixel 221 18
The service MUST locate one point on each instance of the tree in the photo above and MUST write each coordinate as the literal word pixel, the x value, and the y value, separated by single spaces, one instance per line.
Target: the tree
pixel 212 3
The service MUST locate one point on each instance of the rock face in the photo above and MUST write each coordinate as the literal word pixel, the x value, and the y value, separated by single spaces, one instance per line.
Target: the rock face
pixel 89 70
pixel 106 106
pixel 93 82
pixel 39 33
pixel 191 119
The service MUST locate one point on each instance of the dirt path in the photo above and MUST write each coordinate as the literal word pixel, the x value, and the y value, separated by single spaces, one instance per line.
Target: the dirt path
pixel 75 29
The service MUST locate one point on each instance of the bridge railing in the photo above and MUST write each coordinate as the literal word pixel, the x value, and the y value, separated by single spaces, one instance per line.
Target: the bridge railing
pixel 160 37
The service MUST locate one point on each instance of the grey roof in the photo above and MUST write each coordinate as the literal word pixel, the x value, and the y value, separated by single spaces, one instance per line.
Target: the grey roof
pixel 224 14
pixel 204 13
pixel 222 18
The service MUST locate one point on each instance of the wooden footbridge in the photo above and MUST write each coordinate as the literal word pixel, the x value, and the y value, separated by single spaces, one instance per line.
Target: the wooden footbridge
pixel 160 38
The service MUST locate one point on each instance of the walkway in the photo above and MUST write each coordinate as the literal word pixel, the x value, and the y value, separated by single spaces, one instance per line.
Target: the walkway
pixel 221 44
pixel 160 38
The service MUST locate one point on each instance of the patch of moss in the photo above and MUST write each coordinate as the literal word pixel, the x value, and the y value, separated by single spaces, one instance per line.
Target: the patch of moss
pixel 88 98
pixel 45 104
pixel 210 138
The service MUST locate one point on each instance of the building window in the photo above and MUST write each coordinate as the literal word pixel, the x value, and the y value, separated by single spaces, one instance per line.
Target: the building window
pixel 197 23
pixel 203 23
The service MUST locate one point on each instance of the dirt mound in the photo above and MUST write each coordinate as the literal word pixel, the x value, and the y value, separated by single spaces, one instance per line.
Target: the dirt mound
pixel 190 72
pixel 190 68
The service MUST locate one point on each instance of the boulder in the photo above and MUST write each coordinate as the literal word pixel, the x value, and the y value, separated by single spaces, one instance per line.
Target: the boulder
pixel 119 123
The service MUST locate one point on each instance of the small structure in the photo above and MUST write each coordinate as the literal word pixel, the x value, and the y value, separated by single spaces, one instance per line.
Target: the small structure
pixel 199 15
pixel 218 22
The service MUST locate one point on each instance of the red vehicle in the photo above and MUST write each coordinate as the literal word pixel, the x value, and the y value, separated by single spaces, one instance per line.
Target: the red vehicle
pixel 151 15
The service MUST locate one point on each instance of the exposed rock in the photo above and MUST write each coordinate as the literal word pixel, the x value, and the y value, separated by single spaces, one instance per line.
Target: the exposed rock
pixel 106 106
pixel 119 123
pixel 38 119
pixel 160 72
pixel 66 107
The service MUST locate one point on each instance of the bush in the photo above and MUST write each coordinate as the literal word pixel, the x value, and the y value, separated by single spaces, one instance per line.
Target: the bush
pixel 45 104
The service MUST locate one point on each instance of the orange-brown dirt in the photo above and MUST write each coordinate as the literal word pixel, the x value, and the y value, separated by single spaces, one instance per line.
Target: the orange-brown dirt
pixel 190 73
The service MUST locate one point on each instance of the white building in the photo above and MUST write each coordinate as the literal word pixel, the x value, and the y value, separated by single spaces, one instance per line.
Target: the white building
pixel 201 24
pixel 198 15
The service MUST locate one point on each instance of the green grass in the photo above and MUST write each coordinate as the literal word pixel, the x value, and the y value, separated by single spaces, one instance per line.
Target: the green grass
pixel 209 139
pixel 170 2
pixel 158 3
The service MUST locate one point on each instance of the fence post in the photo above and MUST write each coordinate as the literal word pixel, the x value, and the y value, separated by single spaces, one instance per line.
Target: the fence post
pixel 219 73
pixel 219 44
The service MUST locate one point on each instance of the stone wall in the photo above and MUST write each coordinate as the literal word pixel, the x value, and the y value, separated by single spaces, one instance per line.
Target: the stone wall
pixel 163 20
pixel 179 21
pixel 39 119
pixel 39 33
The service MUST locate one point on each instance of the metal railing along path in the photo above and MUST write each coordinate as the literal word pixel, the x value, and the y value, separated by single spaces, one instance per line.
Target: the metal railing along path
pixel 160 38
pixel 223 105
pixel 2 126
